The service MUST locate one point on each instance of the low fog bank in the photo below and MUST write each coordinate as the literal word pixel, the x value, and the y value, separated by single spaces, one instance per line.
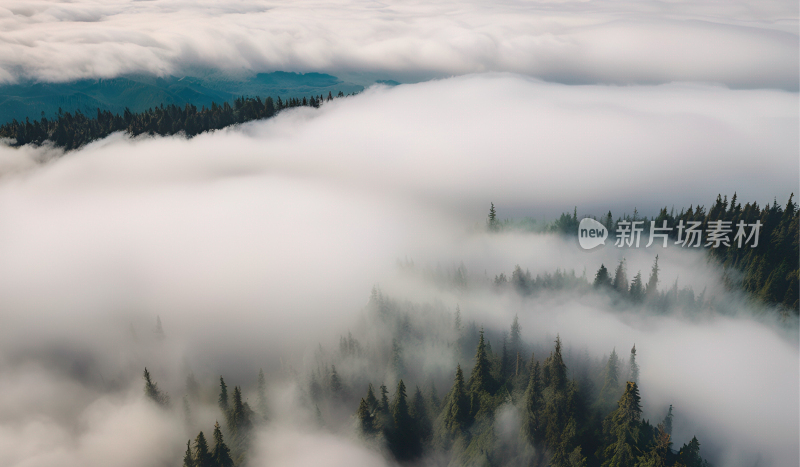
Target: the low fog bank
pixel 743 44
pixel 258 245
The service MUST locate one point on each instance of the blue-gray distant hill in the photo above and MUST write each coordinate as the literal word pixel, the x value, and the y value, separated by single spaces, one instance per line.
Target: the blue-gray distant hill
pixel 139 93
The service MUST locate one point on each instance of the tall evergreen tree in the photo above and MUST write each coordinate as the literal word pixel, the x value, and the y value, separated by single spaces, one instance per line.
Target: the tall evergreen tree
pixel 668 421
pixel 531 416
pixel 620 283
pixel 481 379
pixel 403 439
pixel 633 366
pixel 651 290
pixel 366 422
pixel 371 400
pixel 622 427
pixel 152 391
pixel 202 458
pixel 455 413
pixel 223 396
pixel 188 457
pixel 601 278
pixel 221 453
pixel 636 292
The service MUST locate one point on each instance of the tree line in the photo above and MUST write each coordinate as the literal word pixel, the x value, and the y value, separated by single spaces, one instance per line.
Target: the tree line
pixel 73 130
pixel 769 272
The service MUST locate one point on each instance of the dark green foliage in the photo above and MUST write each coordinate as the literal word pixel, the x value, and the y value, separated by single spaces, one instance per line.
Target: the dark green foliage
pixel 366 421
pixel 633 366
pixel 223 396
pixel 622 429
pixel 601 278
pixel 492 224
pixel 221 454
pixel 403 437
pixel 668 421
pixel 371 401
pixel 152 391
pixel 73 130
pixel 202 458
pixel 481 379
pixel 455 413
pixel 620 283
pixel 188 457
pixel 419 414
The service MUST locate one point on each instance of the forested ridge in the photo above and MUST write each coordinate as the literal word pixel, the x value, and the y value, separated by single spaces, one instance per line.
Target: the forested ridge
pixel 73 130
pixel 504 401
pixel 769 272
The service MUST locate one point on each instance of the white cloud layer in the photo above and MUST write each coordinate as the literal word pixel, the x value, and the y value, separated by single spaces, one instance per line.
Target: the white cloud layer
pixel 255 242
pixel 743 43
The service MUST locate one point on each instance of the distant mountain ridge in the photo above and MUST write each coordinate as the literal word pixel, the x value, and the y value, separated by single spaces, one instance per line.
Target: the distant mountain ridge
pixel 141 92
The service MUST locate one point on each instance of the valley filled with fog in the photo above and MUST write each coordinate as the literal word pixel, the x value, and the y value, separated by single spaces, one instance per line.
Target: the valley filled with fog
pixel 324 278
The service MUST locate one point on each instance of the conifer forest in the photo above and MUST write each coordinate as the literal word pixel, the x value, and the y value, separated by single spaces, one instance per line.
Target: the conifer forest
pixel 527 233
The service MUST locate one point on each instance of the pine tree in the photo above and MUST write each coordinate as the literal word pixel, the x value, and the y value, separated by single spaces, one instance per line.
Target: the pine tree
pixel 609 392
pixel 634 367
pixel 372 402
pixel 690 454
pixel 668 421
pixel 366 422
pixel 621 279
pixel 403 440
pixel 223 396
pixel 383 406
pixel 636 292
pixel 651 290
pixel 188 457
pixel 455 414
pixel 492 222
pixel 481 380
pixel 601 278
pixel 221 454
pixel 531 417
pixel 419 413
pixel 153 393
pixel 240 414
pixel 202 458
pixel 622 427
pixel 516 337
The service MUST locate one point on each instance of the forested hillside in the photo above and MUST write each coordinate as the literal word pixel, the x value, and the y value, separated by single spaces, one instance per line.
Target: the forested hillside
pixel 423 386
pixel 770 271
pixel 33 100
pixel 71 131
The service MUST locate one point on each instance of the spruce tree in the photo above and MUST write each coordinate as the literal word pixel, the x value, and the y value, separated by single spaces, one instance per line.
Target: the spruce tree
pixel 620 283
pixel 223 396
pixel 481 380
pixel 188 457
pixel 622 427
pixel 609 391
pixel 634 367
pixel 455 413
pixel 372 402
pixel 365 420
pixel 651 290
pixel 403 440
pixel 202 458
pixel 221 454
pixel 668 421
pixel 636 292
pixel 601 278
pixel 492 223
pixel 419 414
pixel 152 391
pixel 531 417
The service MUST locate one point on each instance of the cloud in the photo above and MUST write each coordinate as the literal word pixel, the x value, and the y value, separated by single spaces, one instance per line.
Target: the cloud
pixel 259 242
pixel 742 44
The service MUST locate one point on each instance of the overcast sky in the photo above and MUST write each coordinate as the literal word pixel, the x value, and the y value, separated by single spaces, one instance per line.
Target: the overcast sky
pixel 750 44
